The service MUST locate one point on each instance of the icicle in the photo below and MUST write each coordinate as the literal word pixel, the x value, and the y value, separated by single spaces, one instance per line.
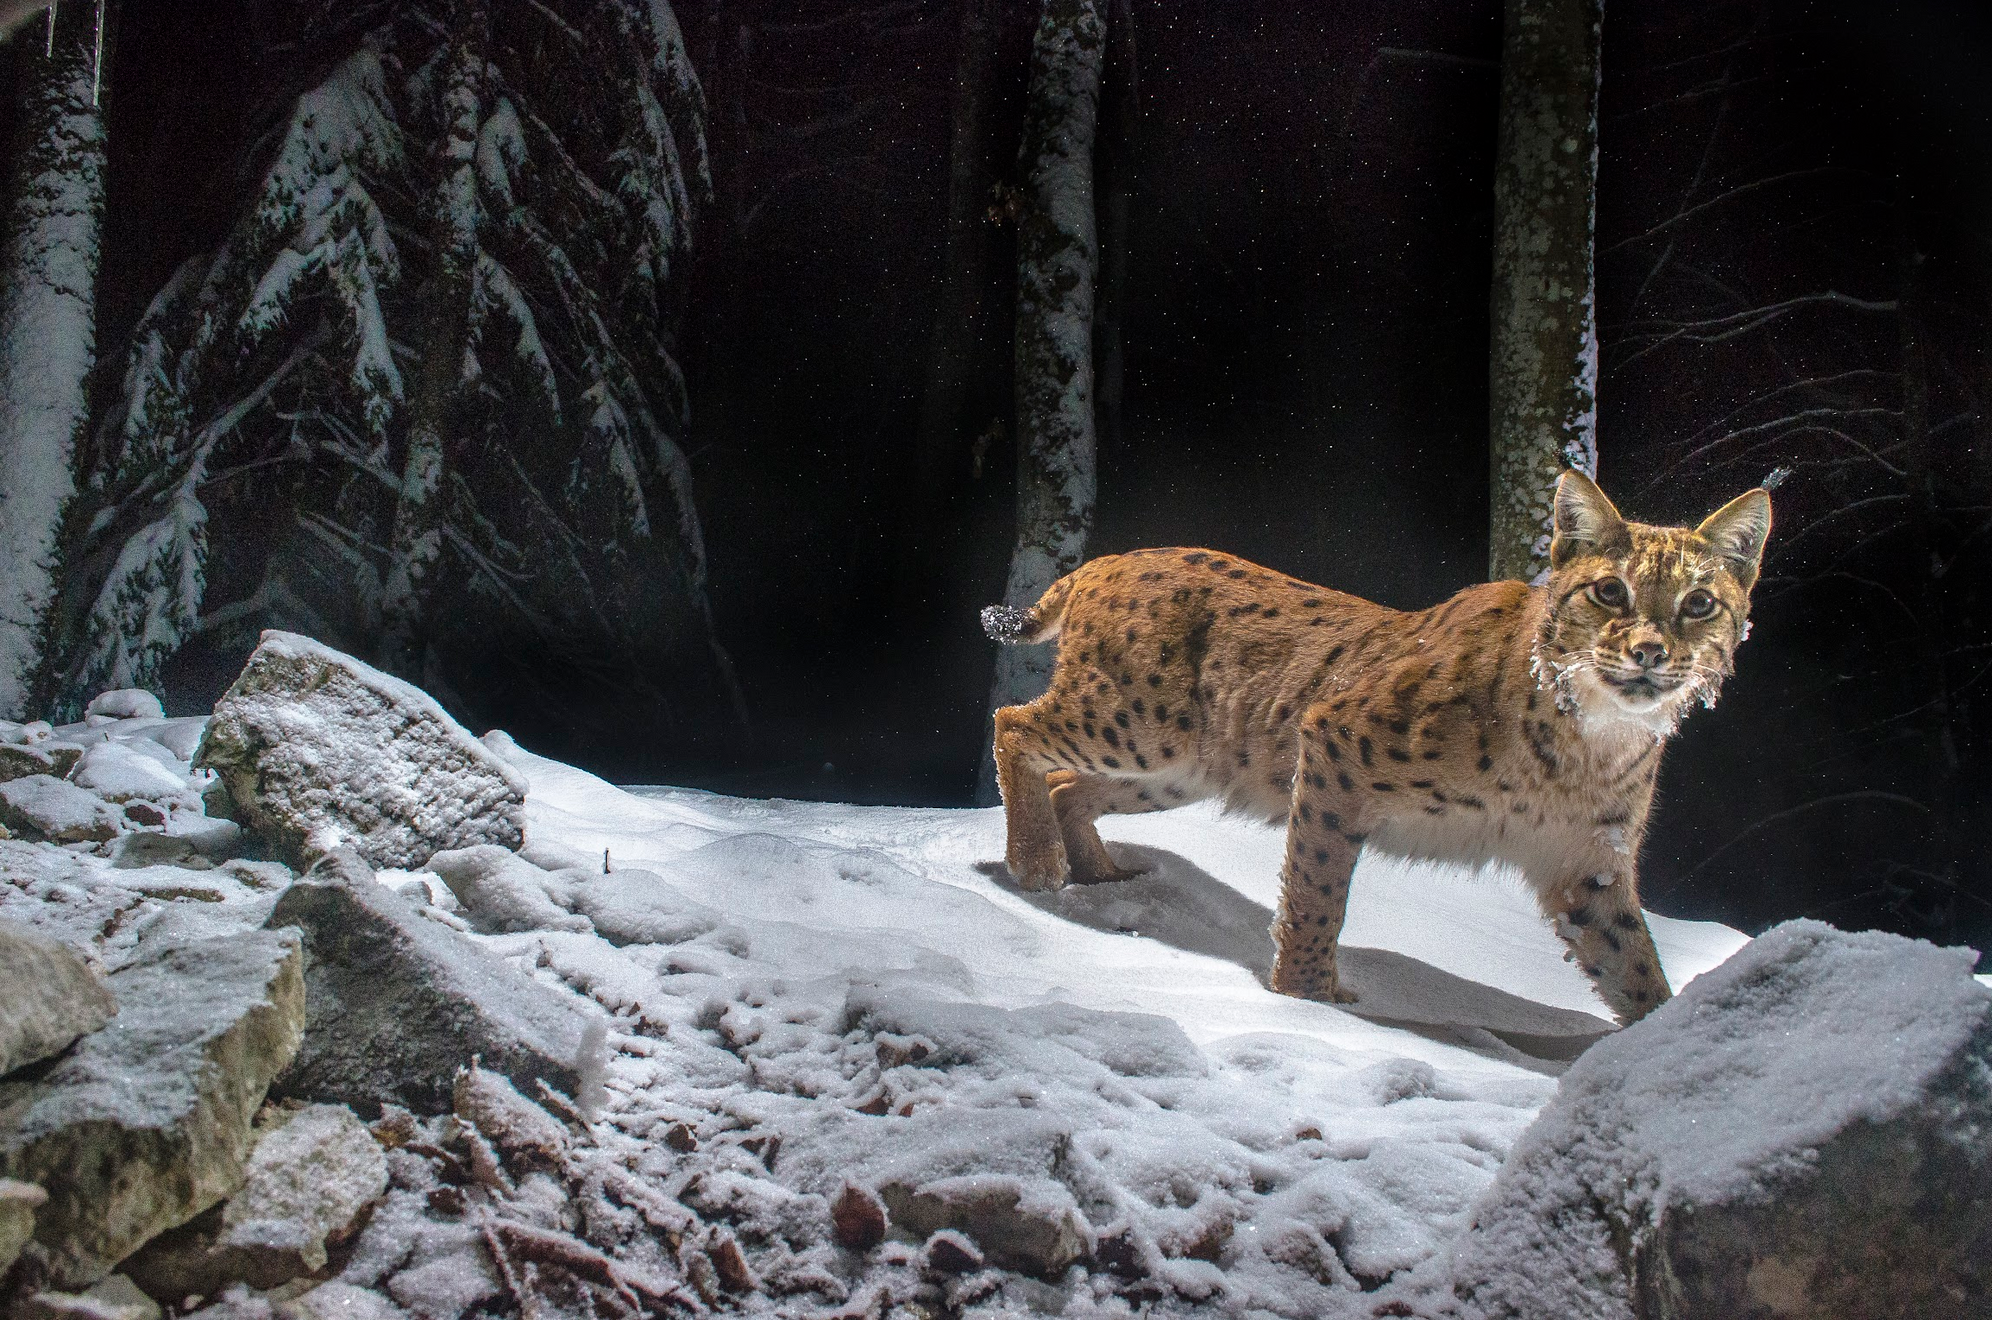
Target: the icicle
pixel 97 59
pixel 50 49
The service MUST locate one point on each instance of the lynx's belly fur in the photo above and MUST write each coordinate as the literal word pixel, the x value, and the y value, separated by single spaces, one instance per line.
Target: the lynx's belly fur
pixel 1512 723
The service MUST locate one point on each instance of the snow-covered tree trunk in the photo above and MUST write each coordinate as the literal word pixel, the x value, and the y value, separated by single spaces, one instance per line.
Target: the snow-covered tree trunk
pixel 417 543
pixel 1544 365
pixel 48 302
pixel 1057 259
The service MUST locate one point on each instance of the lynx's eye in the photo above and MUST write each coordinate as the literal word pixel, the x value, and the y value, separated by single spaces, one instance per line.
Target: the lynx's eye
pixel 1697 604
pixel 1610 593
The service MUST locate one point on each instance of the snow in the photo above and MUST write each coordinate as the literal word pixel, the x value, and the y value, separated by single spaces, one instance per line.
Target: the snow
pixel 805 995
pixel 866 983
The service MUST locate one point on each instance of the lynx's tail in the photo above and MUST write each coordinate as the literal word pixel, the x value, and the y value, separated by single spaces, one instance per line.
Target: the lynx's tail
pixel 1039 623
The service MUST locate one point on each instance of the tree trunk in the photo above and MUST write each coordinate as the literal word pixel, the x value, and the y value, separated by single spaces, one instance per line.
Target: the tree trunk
pixel 55 213
pixel 433 409
pixel 1057 258
pixel 1543 377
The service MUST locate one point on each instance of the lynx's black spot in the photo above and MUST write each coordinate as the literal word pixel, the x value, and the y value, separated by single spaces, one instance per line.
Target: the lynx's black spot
pixel 1110 763
pixel 1486 763
pixel 1348 784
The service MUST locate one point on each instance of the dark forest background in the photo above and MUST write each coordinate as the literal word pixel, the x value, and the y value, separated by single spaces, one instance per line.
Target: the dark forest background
pixel 1794 269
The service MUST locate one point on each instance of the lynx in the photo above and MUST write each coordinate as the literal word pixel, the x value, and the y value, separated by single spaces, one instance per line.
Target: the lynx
pixel 1512 722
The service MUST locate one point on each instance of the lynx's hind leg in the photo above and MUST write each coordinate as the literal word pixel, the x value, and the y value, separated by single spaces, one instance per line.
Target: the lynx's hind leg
pixel 1599 918
pixel 1035 851
pixel 1321 853
pixel 1079 800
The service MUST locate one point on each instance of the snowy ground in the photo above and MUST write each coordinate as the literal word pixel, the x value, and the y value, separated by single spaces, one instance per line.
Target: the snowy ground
pixel 807 995
pixel 868 984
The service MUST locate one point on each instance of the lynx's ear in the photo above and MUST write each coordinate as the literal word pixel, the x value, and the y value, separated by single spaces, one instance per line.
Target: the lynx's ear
pixel 1584 521
pixel 1738 531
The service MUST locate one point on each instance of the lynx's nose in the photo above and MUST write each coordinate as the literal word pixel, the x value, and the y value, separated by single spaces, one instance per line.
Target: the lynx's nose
pixel 1649 653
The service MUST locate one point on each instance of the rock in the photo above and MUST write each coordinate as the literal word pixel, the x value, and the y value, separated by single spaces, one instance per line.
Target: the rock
pixel 1799 1133
pixel 309 1181
pixel 145 1125
pixel 42 806
pixel 118 773
pixel 18 762
pixel 113 1298
pixel 51 997
pixel 1035 1229
pixel 17 1218
pixel 148 815
pixel 341 1301
pixel 948 1252
pixel 857 1218
pixel 319 751
pixel 141 849
pixel 126 704
pixel 399 1003
pixel 503 893
pixel 525 1134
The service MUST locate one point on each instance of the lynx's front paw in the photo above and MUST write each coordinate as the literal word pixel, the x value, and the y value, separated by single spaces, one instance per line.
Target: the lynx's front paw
pixel 1039 869
pixel 1315 982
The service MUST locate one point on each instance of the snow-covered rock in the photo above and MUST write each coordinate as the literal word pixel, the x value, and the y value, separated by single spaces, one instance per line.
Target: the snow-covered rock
pixel 18 760
pixel 51 997
pixel 313 1174
pixel 1033 1228
pixel 148 1123
pixel 398 1002
pixel 1799 1133
pixel 120 772
pixel 319 751
pixel 503 893
pixel 114 1297
pixel 126 704
pixel 44 807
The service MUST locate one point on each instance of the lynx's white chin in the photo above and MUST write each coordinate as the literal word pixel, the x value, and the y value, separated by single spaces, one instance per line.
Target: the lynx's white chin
pixel 1657 707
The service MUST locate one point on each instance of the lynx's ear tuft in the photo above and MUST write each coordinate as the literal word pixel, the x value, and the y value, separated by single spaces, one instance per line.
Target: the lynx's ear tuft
pixel 1584 522
pixel 1738 531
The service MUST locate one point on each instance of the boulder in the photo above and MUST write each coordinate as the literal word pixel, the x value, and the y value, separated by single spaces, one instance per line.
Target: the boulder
pixel 44 807
pixel 314 1173
pixel 503 893
pixel 1799 1134
pixel 121 773
pixel 18 761
pixel 17 1218
pixel 145 1125
pixel 112 1298
pixel 318 751
pixel 398 1002
pixel 1035 1228
pixel 51 997
pixel 126 704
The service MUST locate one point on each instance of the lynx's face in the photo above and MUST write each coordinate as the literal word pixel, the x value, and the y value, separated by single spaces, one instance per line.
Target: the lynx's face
pixel 1644 621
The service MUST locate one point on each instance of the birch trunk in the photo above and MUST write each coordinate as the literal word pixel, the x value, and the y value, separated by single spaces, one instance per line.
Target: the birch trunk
pixel 419 516
pixel 1057 259
pixel 55 214
pixel 1543 375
